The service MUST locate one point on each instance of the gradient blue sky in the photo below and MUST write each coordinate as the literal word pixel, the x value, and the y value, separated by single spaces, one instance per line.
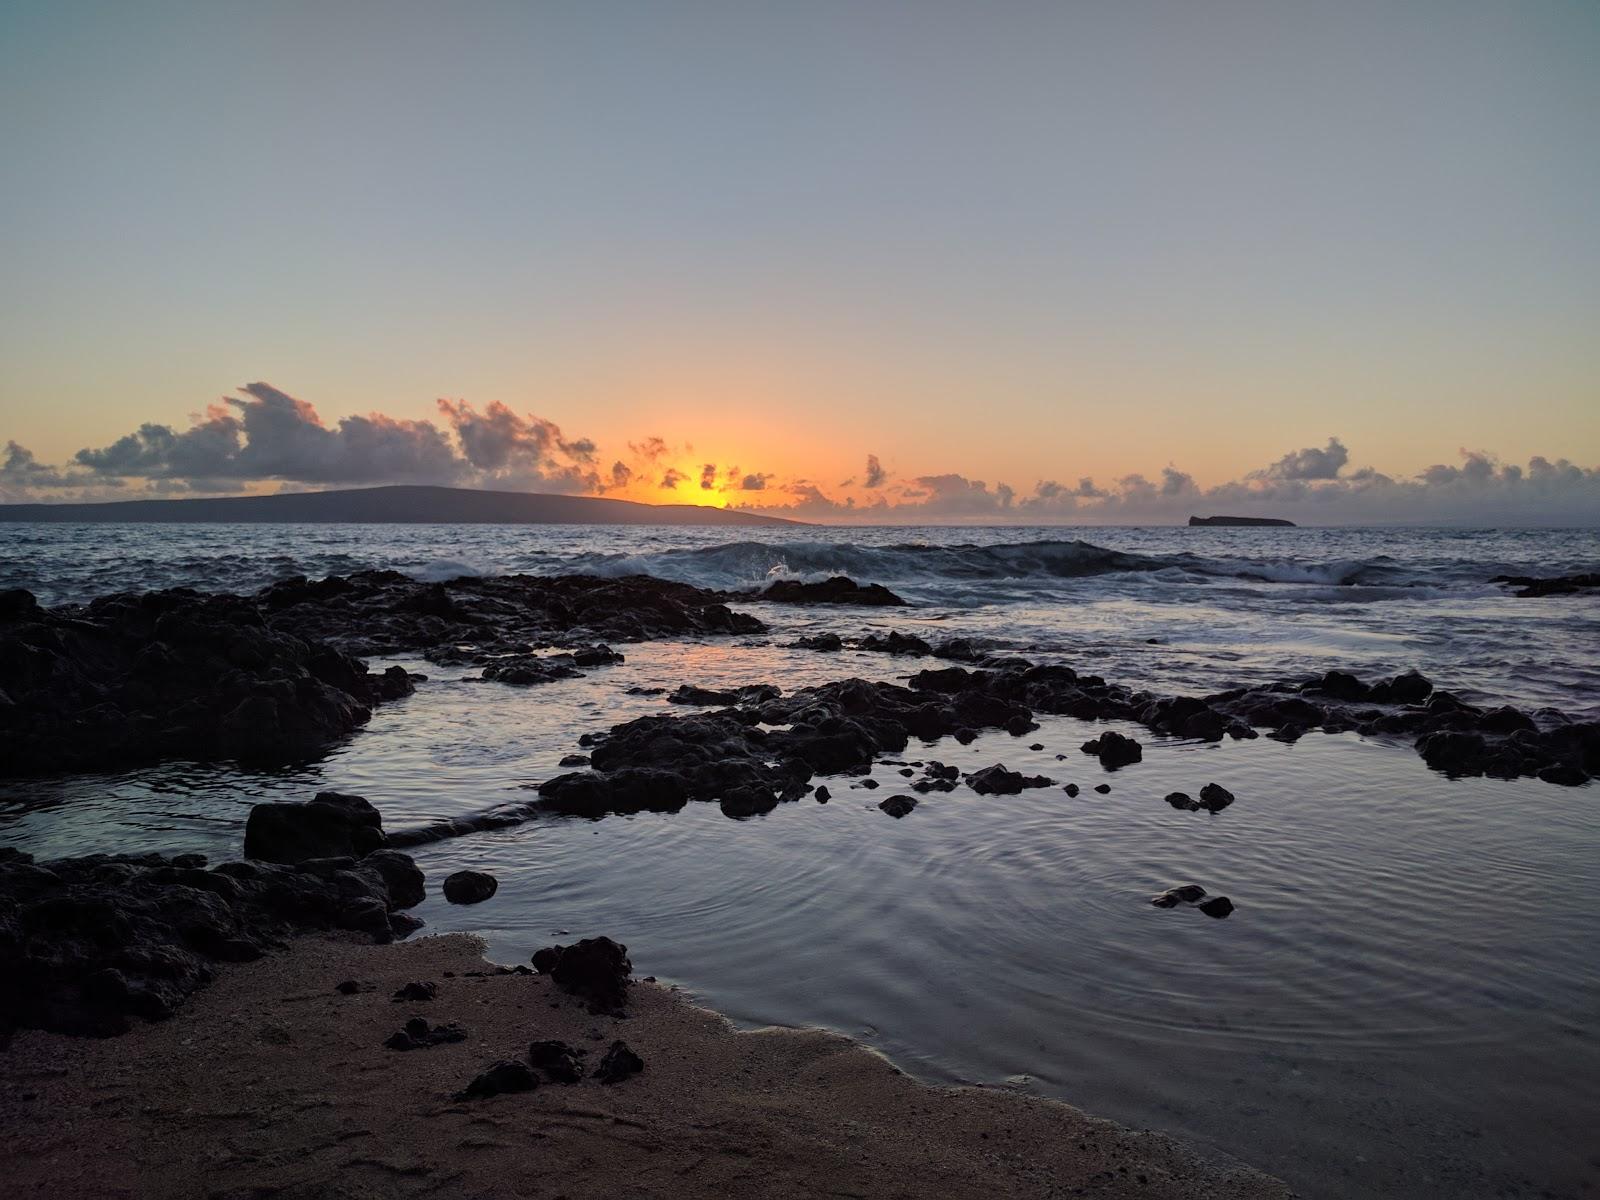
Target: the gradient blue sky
pixel 1018 242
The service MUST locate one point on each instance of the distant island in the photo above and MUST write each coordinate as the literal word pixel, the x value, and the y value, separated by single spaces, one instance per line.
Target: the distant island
pixel 1240 521
pixel 405 505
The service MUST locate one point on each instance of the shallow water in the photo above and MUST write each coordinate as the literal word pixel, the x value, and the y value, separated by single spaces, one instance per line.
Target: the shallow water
pixel 1404 1003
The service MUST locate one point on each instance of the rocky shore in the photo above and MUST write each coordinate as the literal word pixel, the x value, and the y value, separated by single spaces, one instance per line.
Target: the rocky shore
pixel 280 1081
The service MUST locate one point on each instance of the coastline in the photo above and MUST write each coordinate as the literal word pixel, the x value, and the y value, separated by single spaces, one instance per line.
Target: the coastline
pixel 270 1082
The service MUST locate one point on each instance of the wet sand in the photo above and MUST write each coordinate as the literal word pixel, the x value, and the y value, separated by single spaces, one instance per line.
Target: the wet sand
pixel 270 1083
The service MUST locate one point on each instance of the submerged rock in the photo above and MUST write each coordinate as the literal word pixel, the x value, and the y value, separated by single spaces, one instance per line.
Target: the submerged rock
pixel 898 806
pixel 1558 585
pixel 838 590
pixel 1000 781
pixel 469 887
pixel 1114 750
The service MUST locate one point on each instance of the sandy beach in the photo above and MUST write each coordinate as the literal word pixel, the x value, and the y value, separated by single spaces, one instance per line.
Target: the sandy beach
pixel 271 1083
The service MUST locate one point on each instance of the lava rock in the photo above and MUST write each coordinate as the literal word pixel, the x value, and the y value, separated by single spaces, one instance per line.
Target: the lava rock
pixel 507 1075
pixel 596 970
pixel 826 642
pixel 898 806
pixel 998 780
pixel 838 590
pixel 557 1060
pixel 416 991
pixel 1114 750
pixel 1214 797
pixel 418 1035
pixel 331 825
pixel 1216 906
pixel 469 887
pixel 618 1063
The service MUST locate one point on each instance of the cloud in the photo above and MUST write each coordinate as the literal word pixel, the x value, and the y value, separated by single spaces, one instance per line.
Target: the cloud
pixel 1309 463
pixel 264 436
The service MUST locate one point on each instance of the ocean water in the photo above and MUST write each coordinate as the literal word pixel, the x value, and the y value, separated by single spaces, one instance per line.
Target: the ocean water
pixel 1405 1003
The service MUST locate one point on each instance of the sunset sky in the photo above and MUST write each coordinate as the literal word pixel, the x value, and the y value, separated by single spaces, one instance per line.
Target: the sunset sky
pixel 1238 251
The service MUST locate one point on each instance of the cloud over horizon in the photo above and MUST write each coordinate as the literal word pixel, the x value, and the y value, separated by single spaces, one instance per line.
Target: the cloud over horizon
pixel 264 435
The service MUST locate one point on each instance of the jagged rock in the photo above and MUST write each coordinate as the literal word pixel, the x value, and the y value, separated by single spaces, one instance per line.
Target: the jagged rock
pixel 898 806
pixel 415 990
pixel 999 781
pixel 557 1060
pixel 330 825
pixel 1214 797
pixel 828 642
pixel 507 1075
pixel 87 944
pixel 838 590
pixel 174 674
pixel 526 670
pixel 469 887
pixel 419 1035
pixel 618 1063
pixel 595 970
pixel 1114 750
pixel 1559 585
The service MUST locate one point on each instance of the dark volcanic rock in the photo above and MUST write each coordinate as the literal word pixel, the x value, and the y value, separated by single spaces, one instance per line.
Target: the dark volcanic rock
pixel 1114 750
pixel 507 1075
pixel 171 675
pixel 477 619
pixel 898 806
pixel 419 1035
pixel 1214 797
pixel 469 887
pixel 896 643
pixel 1183 800
pixel 416 991
pixel 331 825
pixel 1559 585
pixel 1192 895
pixel 595 970
pixel 619 1063
pixel 557 1060
pixel 1216 906
pixel 526 670
pixel 821 641
pixel 838 590
pixel 999 781
pixel 88 943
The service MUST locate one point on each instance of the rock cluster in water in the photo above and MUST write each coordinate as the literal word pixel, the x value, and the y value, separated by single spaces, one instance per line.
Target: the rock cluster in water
pixel 130 678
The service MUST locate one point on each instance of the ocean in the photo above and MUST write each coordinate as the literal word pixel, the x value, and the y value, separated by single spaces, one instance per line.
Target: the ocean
pixel 1406 1001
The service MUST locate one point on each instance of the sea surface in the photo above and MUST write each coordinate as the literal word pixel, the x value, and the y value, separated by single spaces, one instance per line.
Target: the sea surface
pixel 1406 1002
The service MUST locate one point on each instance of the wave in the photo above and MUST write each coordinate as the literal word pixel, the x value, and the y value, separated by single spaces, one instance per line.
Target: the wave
pixel 737 565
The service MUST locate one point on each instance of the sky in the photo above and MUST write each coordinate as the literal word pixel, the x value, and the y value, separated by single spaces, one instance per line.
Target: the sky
pixel 1067 262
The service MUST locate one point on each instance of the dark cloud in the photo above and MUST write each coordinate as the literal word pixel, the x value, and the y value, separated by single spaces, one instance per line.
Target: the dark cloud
pixel 672 479
pixel 708 476
pixel 756 482
pixel 875 476
pixel 509 448
pixel 621 474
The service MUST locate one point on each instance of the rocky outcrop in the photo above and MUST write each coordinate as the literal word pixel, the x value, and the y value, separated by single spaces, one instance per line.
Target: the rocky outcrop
pixel 478 620
pixel 131 678
pixel 329 826
pixel 838 590
pixel 88 944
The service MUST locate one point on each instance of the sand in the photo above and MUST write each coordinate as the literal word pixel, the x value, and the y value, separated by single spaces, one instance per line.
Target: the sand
pixel 272 1084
